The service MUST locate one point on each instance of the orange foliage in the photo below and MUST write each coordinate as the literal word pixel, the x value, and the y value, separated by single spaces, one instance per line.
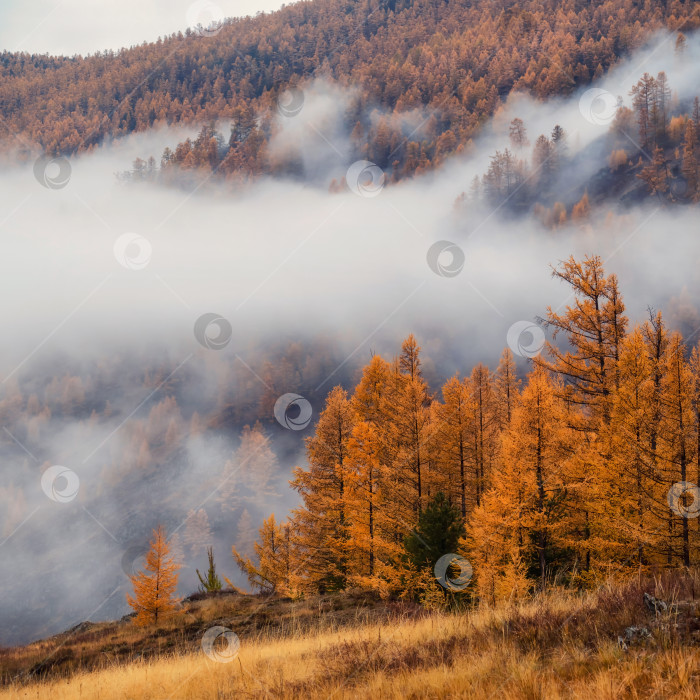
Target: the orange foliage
pixel 154 588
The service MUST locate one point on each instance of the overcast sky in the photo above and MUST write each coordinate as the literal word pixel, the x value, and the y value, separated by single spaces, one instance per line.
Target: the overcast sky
pixel 86 26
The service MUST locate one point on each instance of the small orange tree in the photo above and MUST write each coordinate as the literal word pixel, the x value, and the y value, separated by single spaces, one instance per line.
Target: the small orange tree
pixel 154 588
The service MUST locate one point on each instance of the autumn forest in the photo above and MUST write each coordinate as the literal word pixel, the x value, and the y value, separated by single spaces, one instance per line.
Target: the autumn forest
pixel 350 349
pixel 565 476
pixel 454 59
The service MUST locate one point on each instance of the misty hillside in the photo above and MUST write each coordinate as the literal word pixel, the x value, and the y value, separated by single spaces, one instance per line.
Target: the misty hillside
pixel 440 67
pixel 108 379
pixel 356 343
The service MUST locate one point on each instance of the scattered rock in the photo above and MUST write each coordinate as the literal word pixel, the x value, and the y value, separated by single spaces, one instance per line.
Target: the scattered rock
pixel 633 636
pixel 81 627
pixel 655 605
pixel 636 634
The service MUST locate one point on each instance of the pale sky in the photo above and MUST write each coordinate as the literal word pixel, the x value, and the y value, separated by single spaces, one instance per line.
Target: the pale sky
pixel 86 26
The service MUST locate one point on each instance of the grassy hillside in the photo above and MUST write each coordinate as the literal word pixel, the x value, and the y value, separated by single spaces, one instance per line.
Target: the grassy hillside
pixel 91 646
pixel 560 644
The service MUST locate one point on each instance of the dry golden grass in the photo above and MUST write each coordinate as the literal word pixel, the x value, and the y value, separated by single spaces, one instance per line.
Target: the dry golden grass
pixel 93 646
pixel 556 646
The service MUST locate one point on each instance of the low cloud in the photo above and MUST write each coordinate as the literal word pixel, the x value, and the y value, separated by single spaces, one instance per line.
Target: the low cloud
pixel 304 277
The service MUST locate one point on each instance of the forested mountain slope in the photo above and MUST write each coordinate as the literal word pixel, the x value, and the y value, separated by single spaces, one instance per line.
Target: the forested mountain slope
pixel 454 58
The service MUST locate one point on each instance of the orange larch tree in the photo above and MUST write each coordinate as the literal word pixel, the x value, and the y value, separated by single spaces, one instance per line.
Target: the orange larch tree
pixel 276 569
pixel 506 388
pixel 678 442
pixel 321 523
pixel 373 504
pixel 526 521
pixel 154 588
pixel 451 425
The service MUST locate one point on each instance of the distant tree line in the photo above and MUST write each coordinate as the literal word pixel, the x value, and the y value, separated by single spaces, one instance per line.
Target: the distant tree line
pixel 457 60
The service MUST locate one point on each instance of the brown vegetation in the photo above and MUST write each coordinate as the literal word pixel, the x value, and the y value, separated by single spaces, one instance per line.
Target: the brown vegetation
pixel 556 645
pixel 452 62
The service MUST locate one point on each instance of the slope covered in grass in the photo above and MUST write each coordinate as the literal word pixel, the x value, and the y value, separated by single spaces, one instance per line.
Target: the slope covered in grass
pixel 558 644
